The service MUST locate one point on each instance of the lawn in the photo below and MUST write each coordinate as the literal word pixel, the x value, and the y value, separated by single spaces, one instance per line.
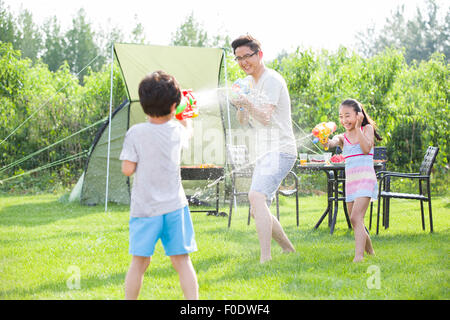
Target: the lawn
pixel 55 250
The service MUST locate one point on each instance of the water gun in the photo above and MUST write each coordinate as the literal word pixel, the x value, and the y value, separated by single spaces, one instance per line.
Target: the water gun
pixel 187 107
pixel 322 131
pixel 240 86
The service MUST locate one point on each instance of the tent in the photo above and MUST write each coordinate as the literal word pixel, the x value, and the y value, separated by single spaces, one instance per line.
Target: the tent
pixel 194 68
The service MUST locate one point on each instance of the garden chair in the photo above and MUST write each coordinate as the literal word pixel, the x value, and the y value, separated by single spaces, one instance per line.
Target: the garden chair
pixel 288 187
pixel 423 176
pixel 379 154
pixel 240 168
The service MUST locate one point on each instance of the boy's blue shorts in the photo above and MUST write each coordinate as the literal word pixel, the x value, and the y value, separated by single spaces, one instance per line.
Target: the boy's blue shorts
pixel 175 230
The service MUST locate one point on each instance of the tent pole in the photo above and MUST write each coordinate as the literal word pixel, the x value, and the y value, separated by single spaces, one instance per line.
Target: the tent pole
pixel 228 101
pixel 109 128
pixel 230 141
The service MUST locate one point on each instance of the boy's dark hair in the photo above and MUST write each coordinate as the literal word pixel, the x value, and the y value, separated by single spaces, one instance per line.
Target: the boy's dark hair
pixel 246 40
pixel 358 107
pixel 158 91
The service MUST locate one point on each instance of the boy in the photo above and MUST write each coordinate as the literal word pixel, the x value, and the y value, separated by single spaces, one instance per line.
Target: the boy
pixel 158 210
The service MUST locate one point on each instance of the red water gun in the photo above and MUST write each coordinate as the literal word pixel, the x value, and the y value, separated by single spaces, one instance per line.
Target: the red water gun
pixel 187 107
pixel 322 131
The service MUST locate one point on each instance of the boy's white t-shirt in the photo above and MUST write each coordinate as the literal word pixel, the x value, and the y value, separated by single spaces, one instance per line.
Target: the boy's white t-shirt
pixel 156 148
pixel 278 135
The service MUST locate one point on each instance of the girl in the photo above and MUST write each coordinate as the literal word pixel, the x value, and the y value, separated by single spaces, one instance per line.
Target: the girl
pixel 360 180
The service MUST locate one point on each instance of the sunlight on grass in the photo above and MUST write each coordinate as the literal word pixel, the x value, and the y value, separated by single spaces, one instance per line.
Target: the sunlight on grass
pixel 43 241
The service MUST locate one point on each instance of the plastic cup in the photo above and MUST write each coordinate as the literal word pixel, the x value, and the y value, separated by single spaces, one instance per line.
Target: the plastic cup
pixel 327 157
pixel 303 158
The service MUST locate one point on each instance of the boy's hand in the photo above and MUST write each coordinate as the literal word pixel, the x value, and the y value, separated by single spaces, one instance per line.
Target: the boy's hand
pixel 187 123
pixel 128 167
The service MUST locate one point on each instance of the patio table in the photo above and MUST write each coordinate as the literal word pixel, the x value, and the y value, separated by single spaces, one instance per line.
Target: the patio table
pixel 334 177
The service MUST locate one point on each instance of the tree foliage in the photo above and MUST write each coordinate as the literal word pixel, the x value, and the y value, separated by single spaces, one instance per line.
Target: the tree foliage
pixel 420 37
pixel 410 104
pixel 81 49
pixel 78 46
pixel 191 33
pixel 408 101
pixel 42 107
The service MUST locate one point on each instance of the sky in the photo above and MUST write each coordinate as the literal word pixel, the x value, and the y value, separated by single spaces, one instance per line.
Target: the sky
pixel 278 25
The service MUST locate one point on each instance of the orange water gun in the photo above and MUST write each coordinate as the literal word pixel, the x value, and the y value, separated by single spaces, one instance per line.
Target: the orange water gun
pixel 322 131
pixel 187 107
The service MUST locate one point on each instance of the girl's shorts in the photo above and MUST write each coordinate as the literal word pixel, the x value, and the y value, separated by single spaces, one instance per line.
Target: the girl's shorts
pixel 269 172
pixel 175 230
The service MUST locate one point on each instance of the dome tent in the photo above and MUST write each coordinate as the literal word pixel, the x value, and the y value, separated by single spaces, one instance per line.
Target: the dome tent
pixel 194 68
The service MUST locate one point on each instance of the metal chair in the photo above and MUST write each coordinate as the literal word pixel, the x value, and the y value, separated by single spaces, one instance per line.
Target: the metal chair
pixel 423 175
pixel 379 154
pixel 240 168
pixel 287 188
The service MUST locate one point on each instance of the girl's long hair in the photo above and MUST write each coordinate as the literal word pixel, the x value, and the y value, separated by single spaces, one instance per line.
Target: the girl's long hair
pixel 358 107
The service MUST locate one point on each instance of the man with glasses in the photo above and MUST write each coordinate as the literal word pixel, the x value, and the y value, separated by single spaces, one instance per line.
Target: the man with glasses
pixel 268 111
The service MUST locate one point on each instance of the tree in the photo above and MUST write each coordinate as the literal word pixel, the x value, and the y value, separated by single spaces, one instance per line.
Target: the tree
pixel 21 32
pixel 54 44
pixel 28 38
pixel 138 33
pixel 190 33
pixel 106 37
pixel 81 50
pixel 419 37
pixel 7 28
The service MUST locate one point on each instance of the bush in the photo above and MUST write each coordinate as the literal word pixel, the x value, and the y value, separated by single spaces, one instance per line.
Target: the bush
pixel 410 104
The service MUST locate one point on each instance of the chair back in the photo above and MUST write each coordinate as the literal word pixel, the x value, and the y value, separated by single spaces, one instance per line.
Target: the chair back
pixel 428 161
pixel 237 155
pixel 239 159
pixel 380 153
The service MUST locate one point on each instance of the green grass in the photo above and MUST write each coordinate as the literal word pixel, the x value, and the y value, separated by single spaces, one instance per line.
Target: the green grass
pixel 41 238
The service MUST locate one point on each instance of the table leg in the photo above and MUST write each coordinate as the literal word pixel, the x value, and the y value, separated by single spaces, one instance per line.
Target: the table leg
pixel 330 212
pixel 347 217
pixel 326 213
pixel 231 210
pixel 231 200
pixel 217 197
pixel 329 208
pixel 330 184
pixel 336 201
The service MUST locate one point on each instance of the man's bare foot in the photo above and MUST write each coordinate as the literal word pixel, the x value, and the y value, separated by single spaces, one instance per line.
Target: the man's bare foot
pixel 289 250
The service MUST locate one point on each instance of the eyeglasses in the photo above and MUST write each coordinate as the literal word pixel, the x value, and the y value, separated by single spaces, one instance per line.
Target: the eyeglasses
pixel 244 58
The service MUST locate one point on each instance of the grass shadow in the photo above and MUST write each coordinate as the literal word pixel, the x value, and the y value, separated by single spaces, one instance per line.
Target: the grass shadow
pixel 42 213
pixel 61 287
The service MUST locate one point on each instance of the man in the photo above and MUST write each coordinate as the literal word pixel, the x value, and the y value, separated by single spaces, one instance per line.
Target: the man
pixel 268 110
